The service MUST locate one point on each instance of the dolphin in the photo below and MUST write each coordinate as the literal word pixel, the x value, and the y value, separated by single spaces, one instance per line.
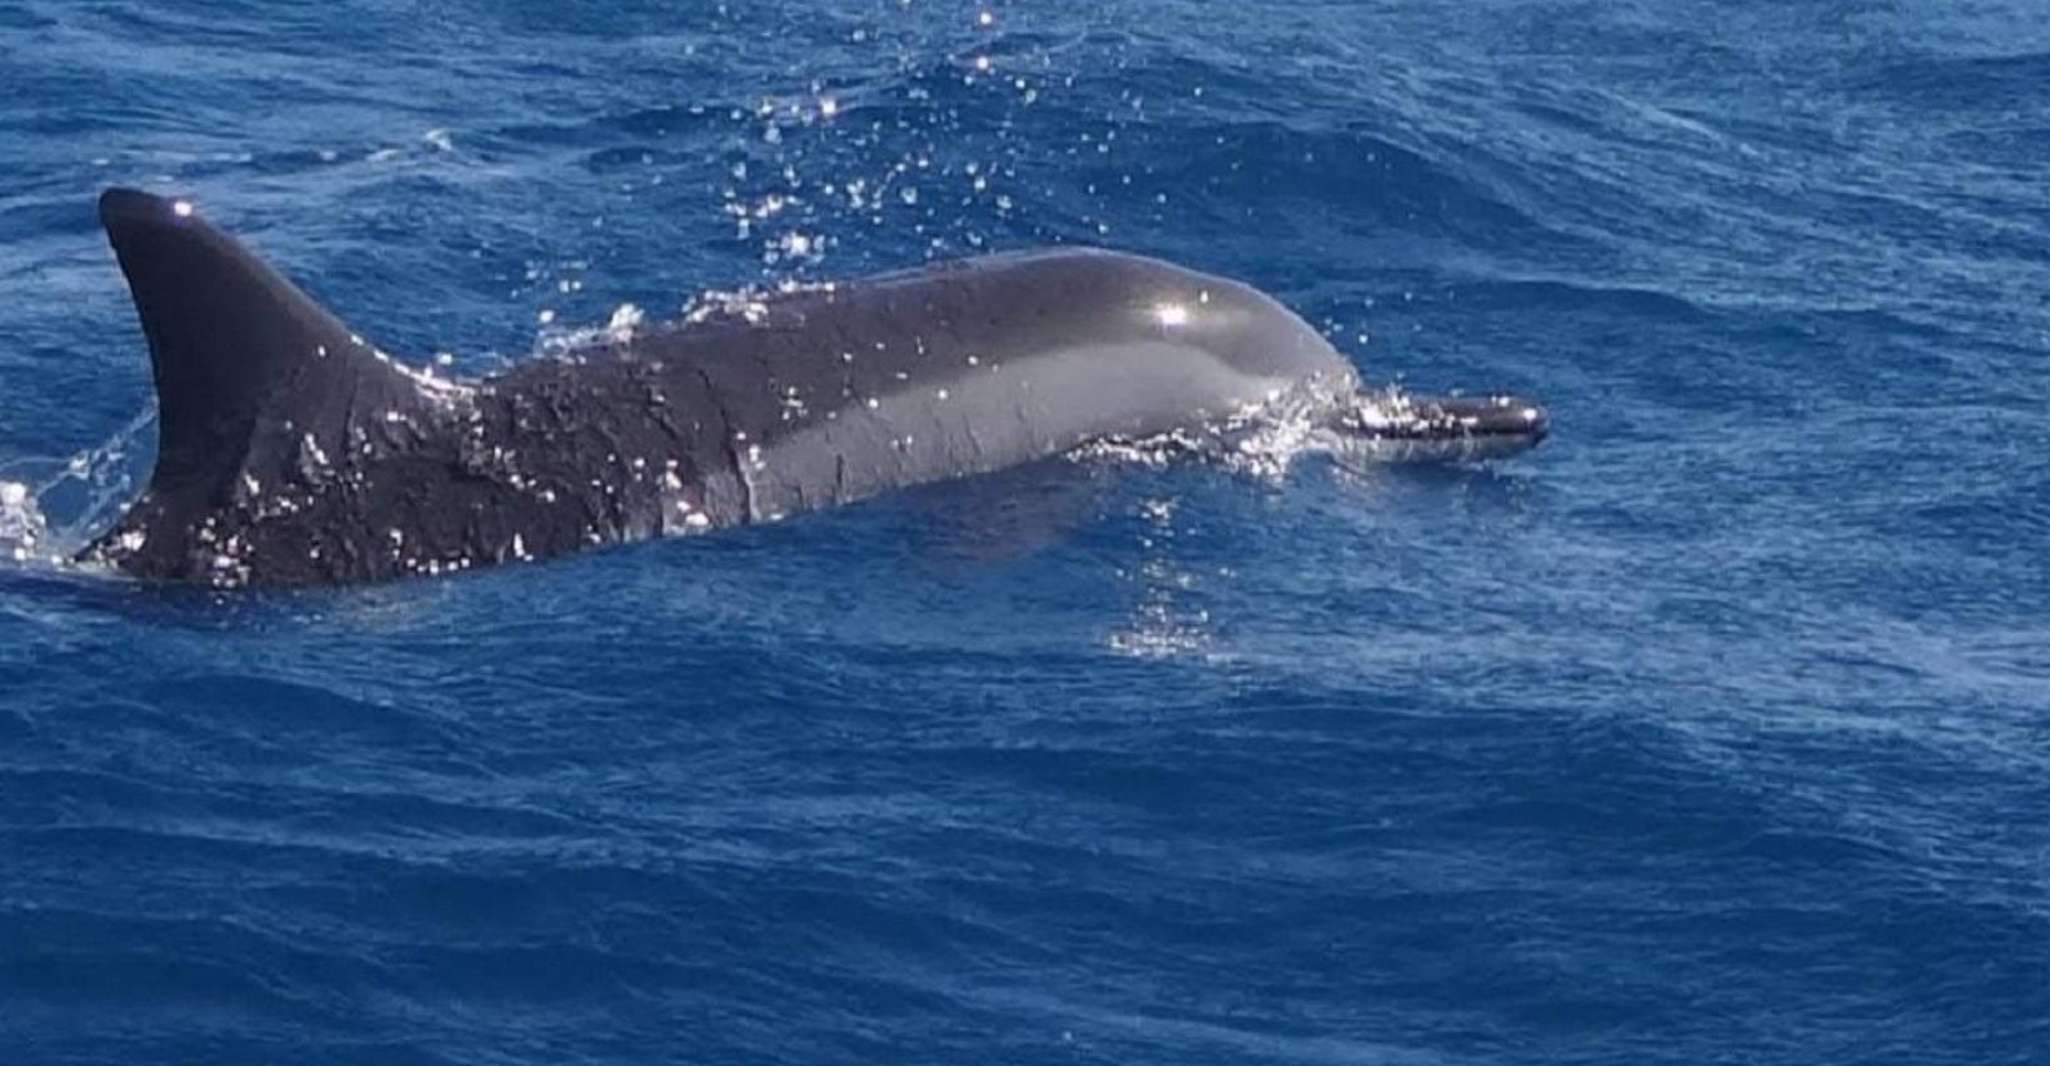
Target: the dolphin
pixel 292 451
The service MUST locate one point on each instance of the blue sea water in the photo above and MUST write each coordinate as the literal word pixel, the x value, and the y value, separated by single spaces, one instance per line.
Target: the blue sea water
pixel 1712 732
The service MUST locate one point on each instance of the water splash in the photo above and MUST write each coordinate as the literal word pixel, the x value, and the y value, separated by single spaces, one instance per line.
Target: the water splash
pixel 22 526
pixel 1264 441
pixel 1165 623
pixel 50 508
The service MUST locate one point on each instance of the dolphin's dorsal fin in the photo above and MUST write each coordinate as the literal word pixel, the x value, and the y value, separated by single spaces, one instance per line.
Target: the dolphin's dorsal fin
pixel 250 372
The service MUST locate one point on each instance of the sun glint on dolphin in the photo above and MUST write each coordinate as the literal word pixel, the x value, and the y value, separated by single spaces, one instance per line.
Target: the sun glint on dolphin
pixel 293 452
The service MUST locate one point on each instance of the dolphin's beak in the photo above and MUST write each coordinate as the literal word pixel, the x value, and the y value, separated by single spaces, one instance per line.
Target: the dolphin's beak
pixel 1499 415
pixel 1449 428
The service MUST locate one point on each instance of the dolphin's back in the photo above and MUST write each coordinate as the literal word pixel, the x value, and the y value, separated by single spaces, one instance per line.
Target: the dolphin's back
pixel 830 395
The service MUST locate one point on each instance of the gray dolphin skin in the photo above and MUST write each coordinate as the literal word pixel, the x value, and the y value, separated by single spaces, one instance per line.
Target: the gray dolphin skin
pixel 293 452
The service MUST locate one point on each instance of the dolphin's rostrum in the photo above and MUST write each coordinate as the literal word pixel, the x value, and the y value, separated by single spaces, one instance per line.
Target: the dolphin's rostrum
pixel 293 452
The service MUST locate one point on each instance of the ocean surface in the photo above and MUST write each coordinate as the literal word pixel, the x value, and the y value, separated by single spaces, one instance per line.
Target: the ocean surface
pixel 1717 730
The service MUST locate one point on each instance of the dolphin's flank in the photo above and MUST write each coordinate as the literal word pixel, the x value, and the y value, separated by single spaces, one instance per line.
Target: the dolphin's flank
pixel 293 452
